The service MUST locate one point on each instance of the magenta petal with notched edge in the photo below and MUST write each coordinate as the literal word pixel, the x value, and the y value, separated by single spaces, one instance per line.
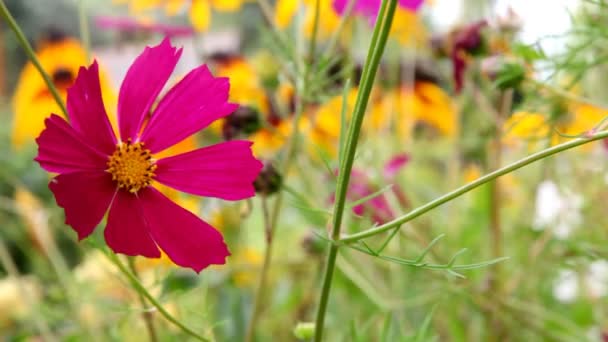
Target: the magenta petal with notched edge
pixel 128 231
pixel 185 238
pixel 61 149
pixel 191 105
pixel 87 112
pixel 226 170
pixel 142 85
pixel 83 212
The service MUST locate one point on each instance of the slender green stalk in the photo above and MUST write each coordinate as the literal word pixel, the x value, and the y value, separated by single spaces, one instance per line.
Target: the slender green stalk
pixel 263 279
pixel 271 218
pixel 379 38
pixel 146 315
pixel 472 185
pixel 142 290
pixel 85 35
pixel 29 51
pixel 315 28
pixel 333 40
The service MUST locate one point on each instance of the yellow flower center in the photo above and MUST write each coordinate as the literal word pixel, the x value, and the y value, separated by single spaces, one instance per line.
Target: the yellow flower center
pixel 131 166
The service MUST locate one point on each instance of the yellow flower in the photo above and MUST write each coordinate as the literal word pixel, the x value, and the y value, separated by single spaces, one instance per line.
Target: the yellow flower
pixel 246 263
pixel 525 127
pixel 329 20
pixel 245 85
pixel 32 101
pixel 199 11
pixel 268 141
pixel 408 28
pixel 425 103
pixel 322 126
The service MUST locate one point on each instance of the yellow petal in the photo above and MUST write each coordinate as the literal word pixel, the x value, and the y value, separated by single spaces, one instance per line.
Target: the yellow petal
pixel 525 127
pixel 284 12
pixel 32 101
pixel 227 5
pixel 200 15
pixel 434 107
pixel 173 7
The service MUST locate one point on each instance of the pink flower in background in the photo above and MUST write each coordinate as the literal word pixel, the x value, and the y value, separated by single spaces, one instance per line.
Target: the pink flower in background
pixel 125 24
pixel 370 8
pixel 377 207
pixel 100 173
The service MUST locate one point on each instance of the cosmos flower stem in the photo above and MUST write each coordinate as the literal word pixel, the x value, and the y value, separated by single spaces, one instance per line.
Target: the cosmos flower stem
pixel 271 217
pixel 138 286
pixel 83 23
pixel 473 185
pixel 263 279
pixel 376 49
pixel 496 234
pixel 29 51
pixel 146 315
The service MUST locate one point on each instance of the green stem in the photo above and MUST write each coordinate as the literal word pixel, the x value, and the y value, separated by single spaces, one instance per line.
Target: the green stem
pixel 472 185
pixel 29 51
pixel 142 290
pixel 270 228
pixel 85 35
pixel 315 29
pixel 379 38
pixel 271 218
pixel 146 314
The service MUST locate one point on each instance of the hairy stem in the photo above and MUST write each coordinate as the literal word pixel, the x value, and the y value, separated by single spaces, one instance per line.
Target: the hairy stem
pixel 142 290
pixel 473 185
pixel 376 49
pixel 146 315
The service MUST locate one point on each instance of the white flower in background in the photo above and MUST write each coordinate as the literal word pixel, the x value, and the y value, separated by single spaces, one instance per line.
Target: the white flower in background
pixel 560 211
pixel 565 287
pixel 597 280
pixel 592 283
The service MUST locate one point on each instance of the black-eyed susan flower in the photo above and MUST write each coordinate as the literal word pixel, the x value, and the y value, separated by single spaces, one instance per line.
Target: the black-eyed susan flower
pixel 60 57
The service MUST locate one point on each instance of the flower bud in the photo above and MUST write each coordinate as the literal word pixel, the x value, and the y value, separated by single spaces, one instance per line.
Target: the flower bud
pixel 269 180
pixel 244 121
pixel 304 330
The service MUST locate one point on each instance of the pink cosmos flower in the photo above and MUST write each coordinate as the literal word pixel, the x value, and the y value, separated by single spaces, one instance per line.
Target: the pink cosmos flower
pixel 370 8
pixel 100 173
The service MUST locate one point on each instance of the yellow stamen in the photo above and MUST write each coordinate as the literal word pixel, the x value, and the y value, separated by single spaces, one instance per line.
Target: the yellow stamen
pixel 131 166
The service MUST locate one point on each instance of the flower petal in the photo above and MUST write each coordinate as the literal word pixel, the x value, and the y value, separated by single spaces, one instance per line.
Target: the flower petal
pixel 83 210
pixel 187 240
pixel 87 112
pixel 200 15
pixel 142 84
pixel 127 231
pixel 226 170
pixel 191 105
pixel 412 5
pixel 61 149
pixel 394 165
